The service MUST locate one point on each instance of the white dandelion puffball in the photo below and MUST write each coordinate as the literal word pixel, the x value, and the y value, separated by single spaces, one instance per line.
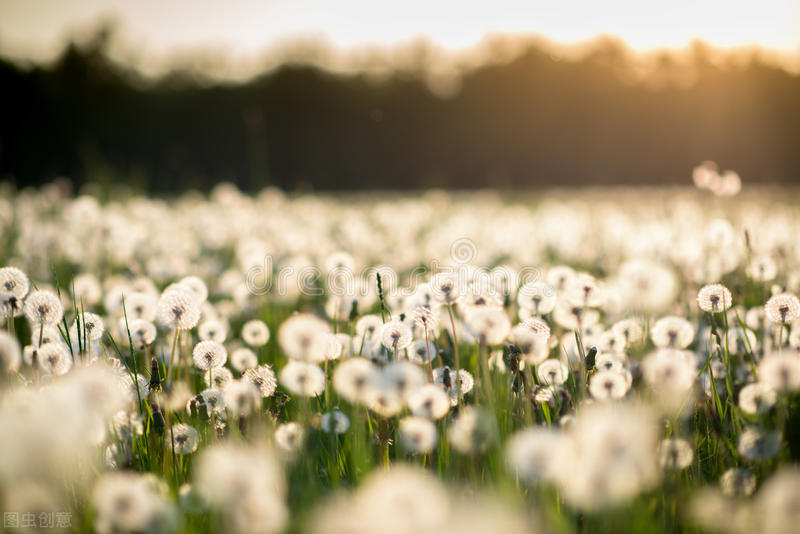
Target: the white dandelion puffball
pixel 127 502
pixel 783 308
pixel 302 378
pixel 245 484
pixel 534 348
pixel 396 335
pixel 533 454
pixel 488 325
pixel 737 482
pixel 209 354
pixel 263 378
pixel 422 352
pixel 89 325
pixel 184 438
pixel 417 434
pixel 369 327
pixel 714 298
pixel 403 377
pixel 781 372
pixel 212 330
pixel 10 353
pixel 445 287
pixel 304 337
pixel 757 398
pixel 14 282
pixel 552 372
pixel 178 308
pixel 243 359
pixel 54 358
pixel 142 332
pixel 255 333
pixel 757 444
pixel 43 308
pixel 608 385
pixel 473 431
pixel 335 422
pixel 672 332
pixel 196 286
pixel 354 377
pixel 141 306
pixel 537 297
pixel 220 378
pixel 289 437
pixel 429 401
pixel 242 398
pixel 675 453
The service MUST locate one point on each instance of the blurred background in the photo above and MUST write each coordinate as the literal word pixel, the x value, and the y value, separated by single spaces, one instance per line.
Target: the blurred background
pixel 165 96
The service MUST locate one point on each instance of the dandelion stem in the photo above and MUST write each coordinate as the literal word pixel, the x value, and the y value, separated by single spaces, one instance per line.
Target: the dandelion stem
pixel 455 355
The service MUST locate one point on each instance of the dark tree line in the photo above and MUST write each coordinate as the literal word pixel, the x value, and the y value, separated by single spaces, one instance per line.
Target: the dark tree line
pixel 534 121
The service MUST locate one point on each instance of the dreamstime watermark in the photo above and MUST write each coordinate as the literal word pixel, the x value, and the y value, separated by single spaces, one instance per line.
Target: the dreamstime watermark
pixel 40 520
pixel 459 273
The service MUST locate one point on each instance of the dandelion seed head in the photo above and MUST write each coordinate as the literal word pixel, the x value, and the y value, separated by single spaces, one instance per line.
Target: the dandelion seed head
pixel 196 285
pixel 335 422
pixel 354 377
pixel 43 307
pixel 263 378
pixel 209 355
pixel 608 385
pixel 737 482
pixel 141 306
pixel 533 454
pixel 242 359
pixel 54 359
pixel 89 325
pixel 212 330
pixel 714 298
pixel 302 378
pixel 560 277
pixel 473 431
pixel 757 444
pixel 675 453
pixel 417 434
pixel 778 502
pixel 781 372
pixel 127 502
pixel 185 438
pixel 672 332
pixel 757 398
pixel 255 333
pixel 10 353
pixel 289 437
pixel 783 308
pixel 369 327
pixel 534 347
pixel 220 379
pixel 629 329
pixel 14 282
pixel 242 397
pixel 444 287
pixel 429 401
pixel 421 352
pixel 552 372
pixel 396 335
pixel 143 332
pixel 178 308
pixel 304 337
pixel 538 298
pixel 245 484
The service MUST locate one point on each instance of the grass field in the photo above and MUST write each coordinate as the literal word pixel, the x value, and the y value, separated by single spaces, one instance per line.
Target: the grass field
pixel 605 360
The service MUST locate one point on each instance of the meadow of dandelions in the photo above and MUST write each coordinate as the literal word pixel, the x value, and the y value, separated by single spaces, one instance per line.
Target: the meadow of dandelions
pixel 571 362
